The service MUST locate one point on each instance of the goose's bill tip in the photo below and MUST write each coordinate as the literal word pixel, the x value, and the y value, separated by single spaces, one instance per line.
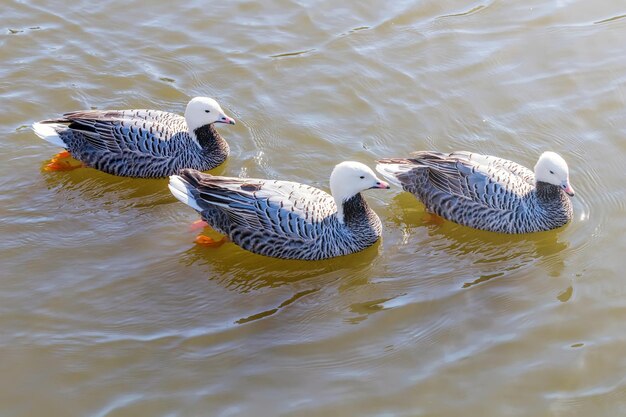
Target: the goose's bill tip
pixel 382 185
pixel 227 120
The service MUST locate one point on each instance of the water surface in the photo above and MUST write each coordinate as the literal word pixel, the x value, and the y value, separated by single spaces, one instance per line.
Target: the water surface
pixel 107 308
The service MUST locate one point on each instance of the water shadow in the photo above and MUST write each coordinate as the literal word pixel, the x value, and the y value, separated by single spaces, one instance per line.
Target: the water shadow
pixel 89 184
pixel 479 255
pixel 243 271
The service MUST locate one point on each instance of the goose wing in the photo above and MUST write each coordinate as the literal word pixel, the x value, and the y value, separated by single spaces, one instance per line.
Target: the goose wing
pixel 145 131
pixel 513 168
pixel 280 208
pixel 493 182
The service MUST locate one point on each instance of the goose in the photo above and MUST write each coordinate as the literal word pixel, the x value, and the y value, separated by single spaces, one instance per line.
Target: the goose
pixel 140 143
pixel 284 219
pixel 486 192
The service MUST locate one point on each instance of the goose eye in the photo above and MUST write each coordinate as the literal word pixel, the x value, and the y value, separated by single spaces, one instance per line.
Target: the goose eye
pixel 207 111
pixel 551 172
pixel 362 177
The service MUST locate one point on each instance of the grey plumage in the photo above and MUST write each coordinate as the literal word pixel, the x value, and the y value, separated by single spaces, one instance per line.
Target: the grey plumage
pixel 485 192
pixel 280 219
pixel 140 143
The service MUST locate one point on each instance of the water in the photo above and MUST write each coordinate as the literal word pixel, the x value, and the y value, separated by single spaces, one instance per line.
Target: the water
pixel 107 308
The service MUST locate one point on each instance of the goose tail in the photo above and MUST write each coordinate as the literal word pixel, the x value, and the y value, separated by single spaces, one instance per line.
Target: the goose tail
pixel 392 168
pixel 49 132
pixel 182 190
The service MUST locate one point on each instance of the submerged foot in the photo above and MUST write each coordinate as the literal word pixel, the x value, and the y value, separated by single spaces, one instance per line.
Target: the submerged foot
pixel 56 165
pixel 210 242
pixel 198 224
pixel 62 162
pixel 432 218
pixel 62 155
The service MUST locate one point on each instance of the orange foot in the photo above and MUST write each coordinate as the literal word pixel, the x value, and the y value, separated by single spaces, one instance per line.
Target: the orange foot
pixel 198 224
pixel 62 162
pixel 56 165
pixel 61 155
pixel 210 242
pixel 432 218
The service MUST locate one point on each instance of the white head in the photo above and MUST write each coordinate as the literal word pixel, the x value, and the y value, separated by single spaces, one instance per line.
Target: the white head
pixel 202 111
pixel 350 178
pixel 551 168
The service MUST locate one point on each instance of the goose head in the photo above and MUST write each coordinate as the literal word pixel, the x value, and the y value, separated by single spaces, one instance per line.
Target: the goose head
pixel 350 178
pixel 551 168
pixel 202 111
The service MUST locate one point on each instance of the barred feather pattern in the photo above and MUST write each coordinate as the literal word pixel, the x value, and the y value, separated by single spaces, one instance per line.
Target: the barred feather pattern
pixel 482 191
pixel 139 143
pixel 282 219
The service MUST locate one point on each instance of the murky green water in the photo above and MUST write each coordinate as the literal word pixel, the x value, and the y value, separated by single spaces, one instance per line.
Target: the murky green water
pixel 107 308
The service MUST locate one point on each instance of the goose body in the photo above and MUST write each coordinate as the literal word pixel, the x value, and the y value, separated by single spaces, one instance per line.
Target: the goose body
pixel 486 192
pixel 142 143
pixel 285 219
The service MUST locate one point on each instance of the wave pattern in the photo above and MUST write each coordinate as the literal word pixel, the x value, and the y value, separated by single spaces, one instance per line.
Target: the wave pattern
pixel 104 295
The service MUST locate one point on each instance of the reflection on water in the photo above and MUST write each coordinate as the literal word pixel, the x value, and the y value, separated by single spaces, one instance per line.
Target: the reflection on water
pixel 95 187
pixel 243 271
pixel 484 255
pixel 566 295
pixel 105 298
pixel 271 311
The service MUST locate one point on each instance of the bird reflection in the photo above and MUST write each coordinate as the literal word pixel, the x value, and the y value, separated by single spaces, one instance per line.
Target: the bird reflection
pixel 94 185
pixel 480 255
pixel 243 271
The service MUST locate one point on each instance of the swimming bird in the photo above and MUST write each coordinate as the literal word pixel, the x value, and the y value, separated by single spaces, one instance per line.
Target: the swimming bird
pixel 285 219
pixel 141 143
pixel 487 192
